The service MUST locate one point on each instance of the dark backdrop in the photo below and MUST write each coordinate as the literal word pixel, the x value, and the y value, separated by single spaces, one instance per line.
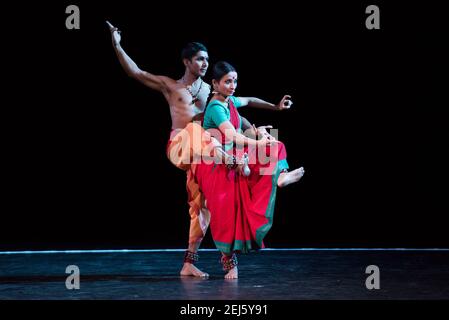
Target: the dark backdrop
pixel 84 145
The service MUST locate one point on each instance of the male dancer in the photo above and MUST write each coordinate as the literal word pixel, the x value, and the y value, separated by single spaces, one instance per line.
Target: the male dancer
pixel 186 98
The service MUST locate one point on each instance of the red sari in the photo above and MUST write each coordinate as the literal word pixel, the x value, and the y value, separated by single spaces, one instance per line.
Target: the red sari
pixel 241 207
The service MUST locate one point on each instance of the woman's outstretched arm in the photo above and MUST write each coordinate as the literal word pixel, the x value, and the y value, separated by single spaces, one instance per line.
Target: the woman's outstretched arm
pixel 285 103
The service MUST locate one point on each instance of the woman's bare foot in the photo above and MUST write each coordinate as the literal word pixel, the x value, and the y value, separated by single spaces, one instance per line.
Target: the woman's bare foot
pixel 189 269
pixel 232 274
pixel 286 178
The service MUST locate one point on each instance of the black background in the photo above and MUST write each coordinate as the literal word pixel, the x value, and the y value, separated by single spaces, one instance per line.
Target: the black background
pixel 84 145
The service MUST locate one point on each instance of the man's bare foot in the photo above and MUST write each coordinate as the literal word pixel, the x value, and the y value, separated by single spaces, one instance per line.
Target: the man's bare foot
pixel 189 269
pixel 286 178
pixel 232 274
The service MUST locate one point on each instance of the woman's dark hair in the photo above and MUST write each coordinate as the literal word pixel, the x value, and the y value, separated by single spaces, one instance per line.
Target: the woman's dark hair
pixel 192 49
pixel 221 69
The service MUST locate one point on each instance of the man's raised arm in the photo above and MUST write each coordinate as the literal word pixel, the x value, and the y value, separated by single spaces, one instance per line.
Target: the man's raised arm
pixel 154 82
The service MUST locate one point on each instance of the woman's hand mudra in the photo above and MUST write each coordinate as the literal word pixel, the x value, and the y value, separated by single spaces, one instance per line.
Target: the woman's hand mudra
pixel 285 103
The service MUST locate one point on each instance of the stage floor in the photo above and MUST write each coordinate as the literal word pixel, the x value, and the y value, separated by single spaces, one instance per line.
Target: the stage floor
pixel 264 275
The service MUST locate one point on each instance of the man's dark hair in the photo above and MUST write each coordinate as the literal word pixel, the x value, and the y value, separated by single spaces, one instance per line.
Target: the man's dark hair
pixel 220 69
pixel 192 49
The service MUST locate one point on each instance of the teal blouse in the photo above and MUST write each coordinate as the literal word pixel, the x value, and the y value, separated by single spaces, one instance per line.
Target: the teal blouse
pixel 217 112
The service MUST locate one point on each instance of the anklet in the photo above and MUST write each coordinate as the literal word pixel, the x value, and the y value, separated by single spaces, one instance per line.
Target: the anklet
pixel 229 262
pixel 190 257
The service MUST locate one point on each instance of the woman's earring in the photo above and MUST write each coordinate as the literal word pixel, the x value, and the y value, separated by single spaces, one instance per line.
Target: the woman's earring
pixel 214 86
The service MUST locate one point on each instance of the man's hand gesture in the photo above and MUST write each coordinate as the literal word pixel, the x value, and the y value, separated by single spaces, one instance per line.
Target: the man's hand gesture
pixel 115 34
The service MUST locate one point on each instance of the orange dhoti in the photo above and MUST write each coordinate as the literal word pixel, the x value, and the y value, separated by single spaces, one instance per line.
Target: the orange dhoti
pixel 188 146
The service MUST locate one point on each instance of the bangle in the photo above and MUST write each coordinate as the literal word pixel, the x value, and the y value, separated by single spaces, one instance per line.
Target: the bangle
pixel 232 165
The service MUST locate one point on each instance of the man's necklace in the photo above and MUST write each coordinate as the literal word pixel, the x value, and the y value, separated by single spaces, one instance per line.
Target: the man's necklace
pixel 189 89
